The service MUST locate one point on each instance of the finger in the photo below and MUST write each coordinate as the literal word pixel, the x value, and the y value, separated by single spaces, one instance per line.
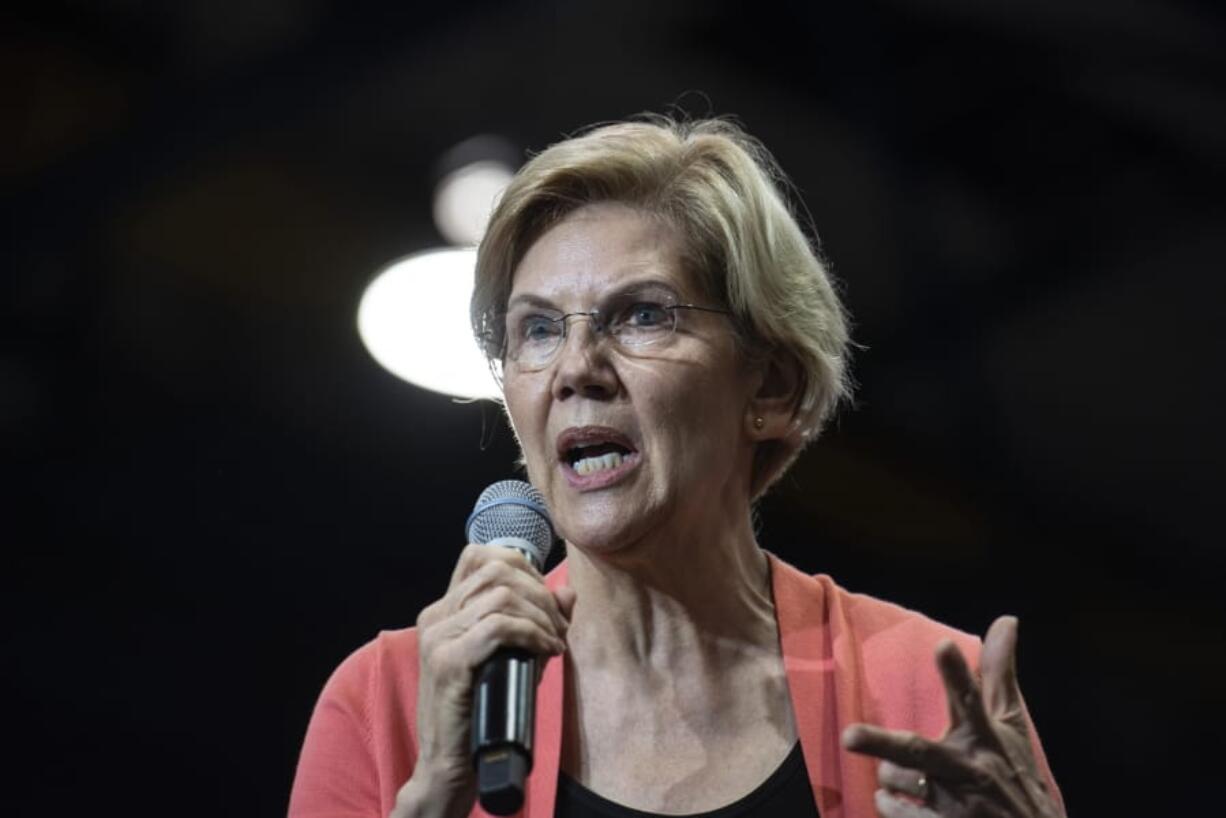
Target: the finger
pixel 962 691
pixel 998 666
pixel 498 572
pixel 502 599
pixel 474 556
pixel 565 597
pixel 463 654
pixel 954 770
pixel 902 780
pixel 469 561
pixel 430 614
pixel 891 806
pixel 449 659
pixel 908 750
pixel 502 630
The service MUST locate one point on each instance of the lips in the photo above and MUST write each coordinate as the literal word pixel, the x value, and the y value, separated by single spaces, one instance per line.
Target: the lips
pixel 596 456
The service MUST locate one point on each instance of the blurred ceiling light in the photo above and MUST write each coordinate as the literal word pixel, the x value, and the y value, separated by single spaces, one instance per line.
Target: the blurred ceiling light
pixel 465 197
pixel 413 319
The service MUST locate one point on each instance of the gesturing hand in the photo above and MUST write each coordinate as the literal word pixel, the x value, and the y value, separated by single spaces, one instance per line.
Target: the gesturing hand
pixel 983 765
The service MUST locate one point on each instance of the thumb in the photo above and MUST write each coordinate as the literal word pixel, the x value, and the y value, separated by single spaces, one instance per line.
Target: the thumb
pixel 998 668
pixel 566 597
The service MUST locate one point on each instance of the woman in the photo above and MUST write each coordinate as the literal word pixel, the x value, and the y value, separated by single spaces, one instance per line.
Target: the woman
pixel 668 342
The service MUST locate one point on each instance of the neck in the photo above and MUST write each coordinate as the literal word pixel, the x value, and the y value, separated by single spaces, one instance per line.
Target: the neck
pixel 673 650
pixel 683 599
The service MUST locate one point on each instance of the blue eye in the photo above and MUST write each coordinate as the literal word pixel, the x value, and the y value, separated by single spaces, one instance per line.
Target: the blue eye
pixel 538 328
pixel 646 315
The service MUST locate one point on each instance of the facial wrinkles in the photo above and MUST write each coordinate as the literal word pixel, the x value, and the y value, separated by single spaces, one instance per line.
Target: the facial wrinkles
pixel 590 284
pixel 589 274
pixel 655 397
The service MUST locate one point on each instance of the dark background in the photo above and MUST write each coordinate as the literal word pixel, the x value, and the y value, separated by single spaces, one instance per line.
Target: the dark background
pixel 217 494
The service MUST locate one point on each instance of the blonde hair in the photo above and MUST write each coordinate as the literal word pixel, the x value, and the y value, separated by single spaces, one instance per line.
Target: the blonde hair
pixel 726 195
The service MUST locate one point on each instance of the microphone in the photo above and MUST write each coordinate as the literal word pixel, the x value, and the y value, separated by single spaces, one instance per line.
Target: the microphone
pixel 508 514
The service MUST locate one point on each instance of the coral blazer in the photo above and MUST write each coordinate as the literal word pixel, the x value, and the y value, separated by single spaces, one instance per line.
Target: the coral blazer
pixel 849 658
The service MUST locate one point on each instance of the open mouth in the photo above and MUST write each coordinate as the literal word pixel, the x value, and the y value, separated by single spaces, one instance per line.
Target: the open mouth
pixel 596 457
pixel 595 452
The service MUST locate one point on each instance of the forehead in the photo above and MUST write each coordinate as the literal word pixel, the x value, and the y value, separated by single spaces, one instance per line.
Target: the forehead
pixel 597 248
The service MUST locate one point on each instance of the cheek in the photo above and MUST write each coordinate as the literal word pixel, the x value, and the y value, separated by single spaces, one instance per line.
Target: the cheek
pixel 526 420
pixel 696 425
pixel 703 427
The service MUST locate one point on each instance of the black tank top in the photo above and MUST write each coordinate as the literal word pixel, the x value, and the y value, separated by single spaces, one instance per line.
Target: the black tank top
pixel 786 792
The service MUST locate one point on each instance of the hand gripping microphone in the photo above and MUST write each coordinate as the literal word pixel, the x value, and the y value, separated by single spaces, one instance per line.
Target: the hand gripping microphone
pixel 508 514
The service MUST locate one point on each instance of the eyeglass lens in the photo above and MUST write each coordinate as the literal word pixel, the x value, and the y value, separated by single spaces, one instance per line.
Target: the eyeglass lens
pixel 535 333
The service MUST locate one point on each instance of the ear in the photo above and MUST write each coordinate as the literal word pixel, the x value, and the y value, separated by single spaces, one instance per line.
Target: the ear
pixel 771 412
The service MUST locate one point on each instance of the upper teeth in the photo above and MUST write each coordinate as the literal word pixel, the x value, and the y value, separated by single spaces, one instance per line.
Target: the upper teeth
pixel 600 462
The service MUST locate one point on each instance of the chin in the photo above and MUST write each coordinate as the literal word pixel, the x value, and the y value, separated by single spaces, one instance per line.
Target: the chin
pixel 599 543
pixel 604 521
pixel 607 527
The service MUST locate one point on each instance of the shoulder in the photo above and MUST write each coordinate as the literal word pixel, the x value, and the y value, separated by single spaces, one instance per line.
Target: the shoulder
pixel 890 631
pixel 875 625
pixel 372 688
pixel 882 651
pixel 378 669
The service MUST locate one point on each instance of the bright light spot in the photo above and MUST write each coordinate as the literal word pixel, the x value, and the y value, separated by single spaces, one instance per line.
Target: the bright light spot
pixel 465 198
pixel 414 321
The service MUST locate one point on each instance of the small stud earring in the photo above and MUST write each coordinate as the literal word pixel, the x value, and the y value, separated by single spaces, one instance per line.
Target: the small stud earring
pixel 759 422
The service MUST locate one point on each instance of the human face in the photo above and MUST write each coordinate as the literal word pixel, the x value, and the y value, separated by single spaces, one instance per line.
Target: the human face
pixel 672 414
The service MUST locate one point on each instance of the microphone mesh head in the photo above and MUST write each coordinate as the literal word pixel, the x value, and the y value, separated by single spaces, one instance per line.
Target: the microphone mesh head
pixel 512 508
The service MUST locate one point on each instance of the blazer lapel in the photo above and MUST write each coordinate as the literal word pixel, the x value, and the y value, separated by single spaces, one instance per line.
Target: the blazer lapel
pixel 547 753
pixel 822 673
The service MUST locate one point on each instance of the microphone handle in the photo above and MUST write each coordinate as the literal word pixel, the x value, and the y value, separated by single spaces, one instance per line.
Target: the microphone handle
pixel 504 714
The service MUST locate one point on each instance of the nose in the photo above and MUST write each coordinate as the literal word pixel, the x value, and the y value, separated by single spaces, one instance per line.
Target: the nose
pixel 583 366
pixel 593 321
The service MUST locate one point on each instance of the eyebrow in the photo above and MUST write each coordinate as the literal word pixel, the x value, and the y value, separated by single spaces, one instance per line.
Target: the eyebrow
pixel 637 285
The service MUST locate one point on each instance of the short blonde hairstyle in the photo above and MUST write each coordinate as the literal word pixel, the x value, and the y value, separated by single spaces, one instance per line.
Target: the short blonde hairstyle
pixel 725 194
